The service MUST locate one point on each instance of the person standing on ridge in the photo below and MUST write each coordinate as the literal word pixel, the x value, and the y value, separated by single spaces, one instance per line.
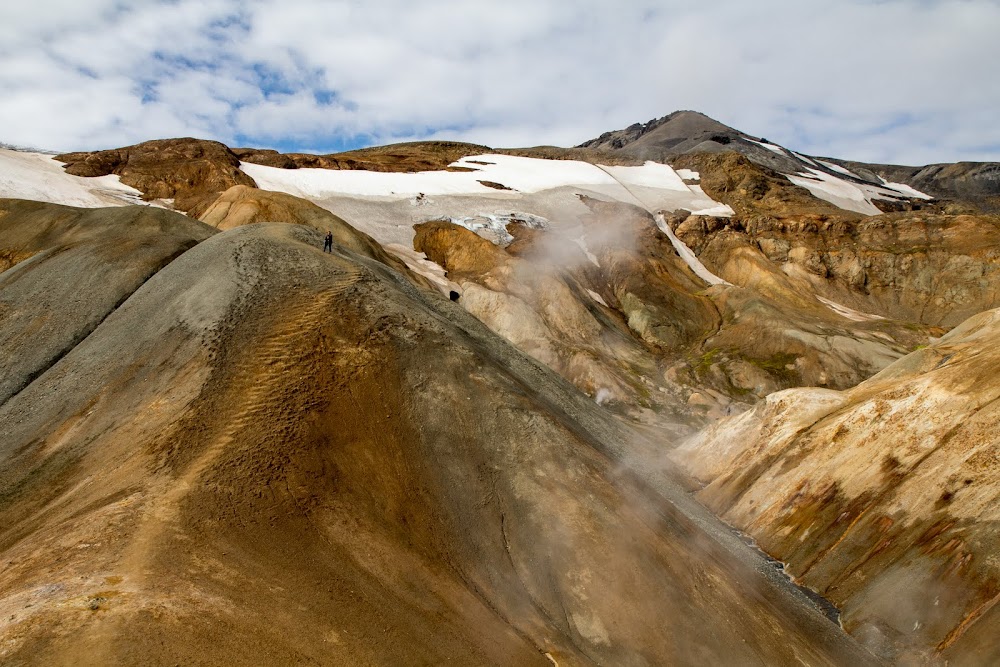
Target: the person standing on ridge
pixel 328 242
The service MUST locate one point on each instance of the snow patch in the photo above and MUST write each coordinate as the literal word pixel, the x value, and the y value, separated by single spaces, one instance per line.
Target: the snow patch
pixel 688 175
pixel 805 158
pixel 720 211
pixel 835 190
pixel 419 264
pixel 771 147
pixel 687 254
pixel 837 168
pixel 649 175
pixel 37 176
pixel 848 195
pixel 527 174
pixel 905 189
pixel 324 183
pixel 849 313
pixel 659 187
pixel 495 224
pixel 522 174
pixel 597 297
pixel 716 211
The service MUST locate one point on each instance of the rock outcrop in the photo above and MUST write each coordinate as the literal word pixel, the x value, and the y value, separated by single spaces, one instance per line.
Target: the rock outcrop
pixel 405 157
pixel 927 268
pixel 191 172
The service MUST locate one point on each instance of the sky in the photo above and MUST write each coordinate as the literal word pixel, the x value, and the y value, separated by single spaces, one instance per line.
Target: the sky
pixel 896 81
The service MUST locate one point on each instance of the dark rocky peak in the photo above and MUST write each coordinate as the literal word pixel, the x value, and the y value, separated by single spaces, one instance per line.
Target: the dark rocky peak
pixel 680 125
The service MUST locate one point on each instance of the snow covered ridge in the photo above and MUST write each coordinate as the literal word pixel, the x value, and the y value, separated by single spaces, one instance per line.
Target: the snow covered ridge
pixel 838 185
pixel 848 194
pixel 36 176
pixel 652 185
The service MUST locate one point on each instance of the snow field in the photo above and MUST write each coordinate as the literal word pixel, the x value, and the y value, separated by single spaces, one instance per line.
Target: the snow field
pixel 848 195
pixel 37 176
pixel 521 174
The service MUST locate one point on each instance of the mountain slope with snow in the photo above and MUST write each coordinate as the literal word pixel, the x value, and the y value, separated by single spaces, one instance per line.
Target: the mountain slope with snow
pixel 483 185
pixel 39 177
pixel 689 132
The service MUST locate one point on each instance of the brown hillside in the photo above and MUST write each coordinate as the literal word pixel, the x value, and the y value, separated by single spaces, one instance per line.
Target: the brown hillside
pixel 192 172
pixel 272 455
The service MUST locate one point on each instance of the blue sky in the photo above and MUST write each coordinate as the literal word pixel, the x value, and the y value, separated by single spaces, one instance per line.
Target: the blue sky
pixel 901 81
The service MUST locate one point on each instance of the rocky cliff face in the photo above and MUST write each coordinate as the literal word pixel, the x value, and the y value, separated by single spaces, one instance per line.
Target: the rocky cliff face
pixel 924 266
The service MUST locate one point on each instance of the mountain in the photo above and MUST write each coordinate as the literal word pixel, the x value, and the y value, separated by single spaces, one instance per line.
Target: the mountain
pixel 680 132
pixel 690 132
pixel 256 440
pixel 188 173
pixel 482 427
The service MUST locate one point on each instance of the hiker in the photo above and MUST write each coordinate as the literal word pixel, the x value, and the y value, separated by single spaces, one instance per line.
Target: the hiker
pixel 328 242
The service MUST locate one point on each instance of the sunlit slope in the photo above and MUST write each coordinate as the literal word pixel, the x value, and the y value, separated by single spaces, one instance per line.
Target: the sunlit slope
pixel 883 498
pixel 65 269
pixel 269 454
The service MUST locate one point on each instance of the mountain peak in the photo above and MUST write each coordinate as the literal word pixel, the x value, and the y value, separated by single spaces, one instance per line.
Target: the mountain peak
pixel 670 130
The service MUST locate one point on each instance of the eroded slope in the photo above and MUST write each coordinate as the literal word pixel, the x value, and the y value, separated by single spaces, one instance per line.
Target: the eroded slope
pixel 271 454
pixel 65 269
pixel 883 498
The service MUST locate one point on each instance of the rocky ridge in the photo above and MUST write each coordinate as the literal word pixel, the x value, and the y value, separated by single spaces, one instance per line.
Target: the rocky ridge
pixel 190 172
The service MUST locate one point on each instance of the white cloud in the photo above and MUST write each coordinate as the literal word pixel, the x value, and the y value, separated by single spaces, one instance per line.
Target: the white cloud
pixel 897 80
